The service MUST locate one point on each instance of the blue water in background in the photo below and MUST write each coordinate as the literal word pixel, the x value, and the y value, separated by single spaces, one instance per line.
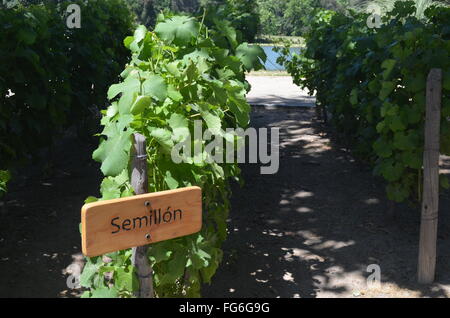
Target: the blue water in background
pixel 271 62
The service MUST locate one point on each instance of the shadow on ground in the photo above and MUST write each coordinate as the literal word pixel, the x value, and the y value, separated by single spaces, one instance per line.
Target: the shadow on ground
pixel 39 234
pixel 312 229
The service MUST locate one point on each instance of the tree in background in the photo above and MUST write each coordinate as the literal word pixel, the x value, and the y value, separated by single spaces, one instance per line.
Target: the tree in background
pixel 252 17
pixel 297 14
pixel 421 5
pixel 286 17
pixel 187 6
pixel 385 5
pixel 291 17
pixel 143 9
pixel 243 14
pixel 272 16
pixel 147 10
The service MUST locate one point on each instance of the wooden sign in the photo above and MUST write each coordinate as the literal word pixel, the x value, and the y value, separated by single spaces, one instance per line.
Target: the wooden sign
pixel 118 224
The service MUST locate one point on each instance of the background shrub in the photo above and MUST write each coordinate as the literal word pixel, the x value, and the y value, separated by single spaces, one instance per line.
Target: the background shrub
pixel 372 82
pixel 53 77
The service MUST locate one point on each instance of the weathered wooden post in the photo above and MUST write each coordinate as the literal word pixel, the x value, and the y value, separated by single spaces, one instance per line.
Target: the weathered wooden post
pixel 430 198
pixel 139 182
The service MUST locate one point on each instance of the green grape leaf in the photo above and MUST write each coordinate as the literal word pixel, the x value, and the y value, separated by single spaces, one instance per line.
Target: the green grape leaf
pixel 414 114
pixel 141 103
pixel 126 101
pixel 402 141
pixel 212 121
pixel 179 29
pixel 443 181
pixel 104 292
pixel 381 126
pixel 446 81
pixel 390 170
pixel 179 125
pixel 386 89
pixel 160 253
pixel 373 86
pixel 354 96
pixel 200 259
pixel 382 148
pixel 5 176
pixel 388 66
pixel 127 41
pixel 139 33
pixel 113 153
pixel 175 268
pixel 396 192
pixel 224 27
pixel 130 85
pixel 415 83
pixel 412 159
pixel 111 187
pixel 170 181
pixel 164 138
pixel 125 279
pixel 173 68
pixel 251 56
pixel 90 199
pixel 112 110
pixel 88 273
pixel 446 107
pixel 396 123
pixel 155 86
pixel 174 94
pixel 27 36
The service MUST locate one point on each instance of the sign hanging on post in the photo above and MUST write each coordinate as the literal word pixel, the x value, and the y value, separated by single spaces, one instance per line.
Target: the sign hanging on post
pixel 118 224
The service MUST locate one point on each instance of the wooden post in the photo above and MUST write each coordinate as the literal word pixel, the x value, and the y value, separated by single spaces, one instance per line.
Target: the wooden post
pixel 139 182
pixel 430 198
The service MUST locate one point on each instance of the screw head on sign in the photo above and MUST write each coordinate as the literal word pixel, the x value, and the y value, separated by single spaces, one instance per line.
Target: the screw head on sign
pixel 147 203
pixel 147 236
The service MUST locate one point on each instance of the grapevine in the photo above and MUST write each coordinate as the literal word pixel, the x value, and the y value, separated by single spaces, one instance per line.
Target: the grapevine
pixel 372 81
pixel 180 72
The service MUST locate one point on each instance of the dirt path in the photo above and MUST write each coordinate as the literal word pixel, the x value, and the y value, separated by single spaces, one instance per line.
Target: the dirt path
pixel 310 230
pixel 277 91
pixel 39 234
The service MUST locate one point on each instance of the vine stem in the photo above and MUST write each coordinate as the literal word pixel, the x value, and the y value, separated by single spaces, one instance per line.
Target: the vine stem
pixel 139 182
pixel 201 25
